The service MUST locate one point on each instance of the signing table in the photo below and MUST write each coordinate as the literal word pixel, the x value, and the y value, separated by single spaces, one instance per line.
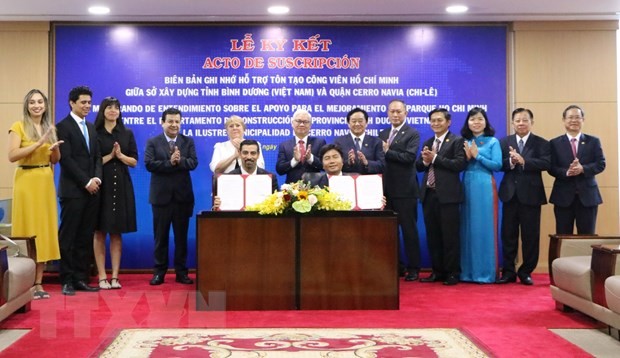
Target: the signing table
pixel 319 261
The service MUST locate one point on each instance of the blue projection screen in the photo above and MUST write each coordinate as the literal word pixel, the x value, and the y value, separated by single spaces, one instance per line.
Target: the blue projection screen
pixel 266 72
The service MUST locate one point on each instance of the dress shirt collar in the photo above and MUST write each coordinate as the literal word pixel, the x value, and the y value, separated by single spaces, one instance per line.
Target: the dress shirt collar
pixel 442 138
pixel 168 139
pixel 525 138
pixel 305 139
pixel 243 171
pixel 397 128
pixel 77 118
pixel 360 137
pixel 578 136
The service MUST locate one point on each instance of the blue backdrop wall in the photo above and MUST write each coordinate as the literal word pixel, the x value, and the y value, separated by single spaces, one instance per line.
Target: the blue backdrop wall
pixel 264 73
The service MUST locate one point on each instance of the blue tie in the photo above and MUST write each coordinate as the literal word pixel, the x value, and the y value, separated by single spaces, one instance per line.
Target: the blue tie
pixel 521 146
pixel 85 133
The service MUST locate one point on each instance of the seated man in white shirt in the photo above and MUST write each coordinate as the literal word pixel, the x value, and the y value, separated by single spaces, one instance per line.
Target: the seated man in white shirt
pixel 249 152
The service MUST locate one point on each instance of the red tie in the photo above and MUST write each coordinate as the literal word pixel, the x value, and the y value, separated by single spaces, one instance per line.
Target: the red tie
pixel 302 150
pixel 573 145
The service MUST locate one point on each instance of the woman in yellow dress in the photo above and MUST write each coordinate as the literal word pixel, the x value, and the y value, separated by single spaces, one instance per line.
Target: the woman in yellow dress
pixel 34 146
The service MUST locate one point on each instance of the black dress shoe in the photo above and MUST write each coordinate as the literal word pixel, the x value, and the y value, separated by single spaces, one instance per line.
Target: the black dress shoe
pixel 83 286
pixel 412 276
pixel 184 279
pixel 432 278
pixel 68 290
pixel 451 280
pixel 507 279
pixel 402 271
pixel 526 280
pixel 157 279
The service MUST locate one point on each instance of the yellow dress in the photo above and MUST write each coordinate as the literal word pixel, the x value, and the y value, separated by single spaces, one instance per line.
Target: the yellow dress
pixel 34 208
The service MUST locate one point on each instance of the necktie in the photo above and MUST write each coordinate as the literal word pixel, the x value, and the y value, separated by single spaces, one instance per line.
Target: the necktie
pixel 573 145
pixel 430 181
pixel 357 144
pixel 520 145
pixel 302 150
pixel 171 144
pixel 85 133
pixel 392 135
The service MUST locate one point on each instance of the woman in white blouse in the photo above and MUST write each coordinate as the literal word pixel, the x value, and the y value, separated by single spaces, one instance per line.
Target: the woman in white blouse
pixel 226 154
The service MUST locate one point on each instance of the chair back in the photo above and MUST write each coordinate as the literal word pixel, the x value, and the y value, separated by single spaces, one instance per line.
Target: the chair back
pixel 5 216
pixel 312 177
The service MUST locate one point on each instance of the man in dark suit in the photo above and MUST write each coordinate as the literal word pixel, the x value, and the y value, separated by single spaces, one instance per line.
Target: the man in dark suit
pixel 442 159
pixel 400 184
pixel 170 157
pixel 576 158
pixel 299 154
pixel 364 153
pixel 78 190
pixel 525 156
pixel 249 152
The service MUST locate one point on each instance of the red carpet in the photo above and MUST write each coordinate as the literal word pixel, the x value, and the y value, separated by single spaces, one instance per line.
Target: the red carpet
pixel 506 320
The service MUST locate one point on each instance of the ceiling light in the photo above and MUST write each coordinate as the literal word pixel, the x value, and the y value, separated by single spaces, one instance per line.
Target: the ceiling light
pixel 278 10
pixel 457 9
pixel 99 10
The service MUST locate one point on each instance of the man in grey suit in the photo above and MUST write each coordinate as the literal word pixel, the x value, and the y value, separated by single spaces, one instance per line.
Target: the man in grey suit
pixel 170 157
pixel 442 160
pixel 78 190
pixel 400 183
pixel 525 156
pixel 363 152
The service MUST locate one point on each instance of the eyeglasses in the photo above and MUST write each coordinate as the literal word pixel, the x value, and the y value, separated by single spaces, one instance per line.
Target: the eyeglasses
pixel 305 123
pixel 574 118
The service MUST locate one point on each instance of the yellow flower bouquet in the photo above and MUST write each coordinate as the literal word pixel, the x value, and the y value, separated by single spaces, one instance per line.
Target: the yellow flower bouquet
pixel 300 197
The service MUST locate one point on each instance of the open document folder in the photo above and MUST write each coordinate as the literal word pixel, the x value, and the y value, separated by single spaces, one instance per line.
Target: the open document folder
pixel 365 192
pixel 236 191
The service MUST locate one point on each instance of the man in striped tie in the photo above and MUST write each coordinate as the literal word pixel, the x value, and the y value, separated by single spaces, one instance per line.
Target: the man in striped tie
pixel 442 159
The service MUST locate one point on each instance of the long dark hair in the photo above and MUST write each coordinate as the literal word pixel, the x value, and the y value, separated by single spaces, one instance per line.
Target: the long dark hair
pixel 488 129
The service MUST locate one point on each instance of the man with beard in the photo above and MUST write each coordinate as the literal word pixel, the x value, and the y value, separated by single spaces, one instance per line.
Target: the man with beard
pixel 249 151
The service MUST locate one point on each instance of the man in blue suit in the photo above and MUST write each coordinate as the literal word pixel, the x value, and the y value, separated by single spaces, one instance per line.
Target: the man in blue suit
pixel 363 153
pixel 524 156
pixel 169 157
pixel 576 158
pixel 299 154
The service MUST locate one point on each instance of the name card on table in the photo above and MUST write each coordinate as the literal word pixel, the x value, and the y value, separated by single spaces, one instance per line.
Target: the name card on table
pixel 236 191
pixel 365 192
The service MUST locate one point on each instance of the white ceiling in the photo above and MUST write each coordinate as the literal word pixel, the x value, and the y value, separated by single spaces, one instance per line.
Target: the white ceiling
pixel 308 10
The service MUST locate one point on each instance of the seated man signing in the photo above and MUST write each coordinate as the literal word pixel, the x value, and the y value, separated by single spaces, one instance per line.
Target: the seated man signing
pixel 249 152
